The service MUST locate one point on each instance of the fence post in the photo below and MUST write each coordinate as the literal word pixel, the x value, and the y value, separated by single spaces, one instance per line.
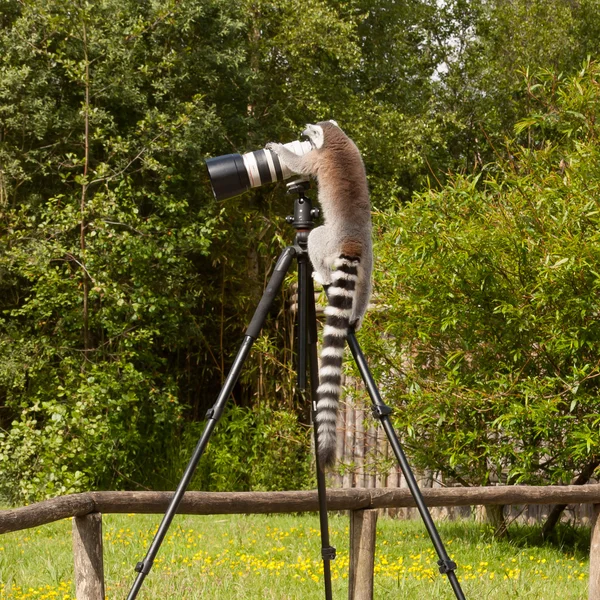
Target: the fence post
pixel 594 589
pixel 87 553
pixel 363 526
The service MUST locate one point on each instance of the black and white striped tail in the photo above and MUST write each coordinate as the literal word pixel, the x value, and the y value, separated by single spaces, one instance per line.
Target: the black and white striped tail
pixel 338 312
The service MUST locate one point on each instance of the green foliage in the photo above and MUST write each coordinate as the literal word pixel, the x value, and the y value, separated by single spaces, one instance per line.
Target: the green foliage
pixel 106 225
pixel 124 285
pixel 117 265
pixel 251 449
pixel 491 289
pixel 83 431
pixel 486 47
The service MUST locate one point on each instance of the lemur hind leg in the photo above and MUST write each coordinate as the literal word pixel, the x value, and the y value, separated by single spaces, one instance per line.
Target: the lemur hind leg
pixel 363 293
pixel 320 255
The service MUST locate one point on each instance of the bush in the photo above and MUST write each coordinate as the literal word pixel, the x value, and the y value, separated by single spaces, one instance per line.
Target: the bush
pixel 492 290
pixel 250 449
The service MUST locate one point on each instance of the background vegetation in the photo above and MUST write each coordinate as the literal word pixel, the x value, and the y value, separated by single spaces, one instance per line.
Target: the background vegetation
pixel 492 340
pixel 125 287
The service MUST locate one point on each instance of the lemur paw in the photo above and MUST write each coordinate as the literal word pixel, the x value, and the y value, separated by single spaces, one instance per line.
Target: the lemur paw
pixel 320 279
pixel 274 147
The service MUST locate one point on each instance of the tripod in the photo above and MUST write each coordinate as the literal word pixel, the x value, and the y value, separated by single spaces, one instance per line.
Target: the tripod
pixel 303 222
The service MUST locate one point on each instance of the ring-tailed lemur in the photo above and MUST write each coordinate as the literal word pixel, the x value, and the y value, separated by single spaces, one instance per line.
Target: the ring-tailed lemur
pixel 341 254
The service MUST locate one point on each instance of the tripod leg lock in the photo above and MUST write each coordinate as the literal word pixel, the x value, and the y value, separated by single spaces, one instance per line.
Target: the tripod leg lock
pixel 446 566
pixel 380 411
pixel 328 553
pixel 143 567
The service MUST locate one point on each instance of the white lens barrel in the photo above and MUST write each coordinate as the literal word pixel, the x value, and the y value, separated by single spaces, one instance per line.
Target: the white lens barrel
pixel 263 166
pixel 233 174
pixel 252 169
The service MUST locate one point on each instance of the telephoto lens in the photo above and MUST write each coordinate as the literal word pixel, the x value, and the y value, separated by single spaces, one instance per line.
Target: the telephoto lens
pixel 233 174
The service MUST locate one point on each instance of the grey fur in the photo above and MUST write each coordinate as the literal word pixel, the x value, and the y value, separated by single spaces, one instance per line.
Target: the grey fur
pixel 341 253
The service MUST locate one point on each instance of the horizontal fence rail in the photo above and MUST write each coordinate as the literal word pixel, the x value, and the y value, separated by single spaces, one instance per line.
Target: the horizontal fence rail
pixel 221 503
pixel 87 508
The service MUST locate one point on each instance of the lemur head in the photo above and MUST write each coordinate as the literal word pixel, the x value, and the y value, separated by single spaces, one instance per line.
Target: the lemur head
pixel 316 133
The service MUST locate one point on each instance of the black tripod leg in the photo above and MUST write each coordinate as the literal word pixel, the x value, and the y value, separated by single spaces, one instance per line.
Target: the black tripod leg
pixel 307 349
pixel 215 413
pixel 382 412
pixel 327 550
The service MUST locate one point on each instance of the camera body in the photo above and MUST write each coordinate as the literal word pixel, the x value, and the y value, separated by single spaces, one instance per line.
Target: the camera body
pixel 233 174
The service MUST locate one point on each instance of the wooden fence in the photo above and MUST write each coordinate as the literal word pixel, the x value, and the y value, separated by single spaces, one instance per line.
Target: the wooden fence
pixel 87 510
pixel 364 459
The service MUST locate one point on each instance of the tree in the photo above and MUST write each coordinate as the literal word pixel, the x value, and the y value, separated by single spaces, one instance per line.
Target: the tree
pixel 490 285
pixel 486 46
pixel 107 228
pixel 125 285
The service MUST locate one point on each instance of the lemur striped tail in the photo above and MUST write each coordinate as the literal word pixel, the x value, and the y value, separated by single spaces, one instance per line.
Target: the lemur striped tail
pixel 338 312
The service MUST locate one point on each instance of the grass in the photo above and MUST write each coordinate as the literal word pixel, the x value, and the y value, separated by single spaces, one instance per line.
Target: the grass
pixel 277 557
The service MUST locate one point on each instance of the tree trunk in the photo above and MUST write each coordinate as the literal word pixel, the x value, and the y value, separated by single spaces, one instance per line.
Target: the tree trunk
pixel 493 515
pixel 84 190
pixel 557 509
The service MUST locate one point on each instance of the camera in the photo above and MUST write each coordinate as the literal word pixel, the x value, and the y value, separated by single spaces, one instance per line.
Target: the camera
pixel 233 174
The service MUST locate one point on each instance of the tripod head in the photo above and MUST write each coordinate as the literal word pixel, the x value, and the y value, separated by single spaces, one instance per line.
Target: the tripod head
pixel 303 219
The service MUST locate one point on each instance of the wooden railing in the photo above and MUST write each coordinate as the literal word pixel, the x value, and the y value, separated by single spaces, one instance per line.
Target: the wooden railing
pixel 87 510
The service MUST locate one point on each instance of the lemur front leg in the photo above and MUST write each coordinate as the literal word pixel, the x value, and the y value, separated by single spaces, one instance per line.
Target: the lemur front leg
pixel 302 165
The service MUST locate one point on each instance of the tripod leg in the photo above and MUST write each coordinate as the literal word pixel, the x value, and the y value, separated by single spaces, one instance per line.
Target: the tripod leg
pixel 307 349
pixel 382 412
pixel 215 413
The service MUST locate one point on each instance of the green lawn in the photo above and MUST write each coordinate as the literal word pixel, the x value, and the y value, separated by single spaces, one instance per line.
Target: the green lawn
pixel 277 557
